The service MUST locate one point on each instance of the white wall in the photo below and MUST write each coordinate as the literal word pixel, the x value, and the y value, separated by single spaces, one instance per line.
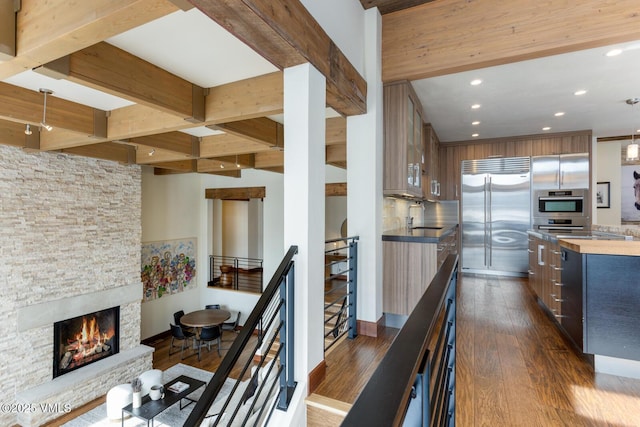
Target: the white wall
pixel 235 229
pixel 170 211
pixel 608 170
pixel 272 235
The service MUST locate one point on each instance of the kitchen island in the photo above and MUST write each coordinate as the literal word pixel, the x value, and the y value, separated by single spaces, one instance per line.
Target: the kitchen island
pixel 600 283
pixel 411 258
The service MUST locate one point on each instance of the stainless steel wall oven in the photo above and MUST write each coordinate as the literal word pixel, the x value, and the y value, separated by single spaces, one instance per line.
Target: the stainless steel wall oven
pixel 560 209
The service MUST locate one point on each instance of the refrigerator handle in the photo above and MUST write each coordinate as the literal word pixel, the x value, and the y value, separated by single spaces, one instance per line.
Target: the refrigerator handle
pixel 484 217
pixel 490 224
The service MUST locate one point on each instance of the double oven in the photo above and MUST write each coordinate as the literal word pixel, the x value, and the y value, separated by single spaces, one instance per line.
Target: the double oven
pixel 560 210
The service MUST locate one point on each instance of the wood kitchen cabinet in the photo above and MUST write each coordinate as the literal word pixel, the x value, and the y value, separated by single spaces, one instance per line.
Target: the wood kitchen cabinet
pixel 431 186
pixel 451 154
pixel 545 269
pixel 408 269
pixel 403 141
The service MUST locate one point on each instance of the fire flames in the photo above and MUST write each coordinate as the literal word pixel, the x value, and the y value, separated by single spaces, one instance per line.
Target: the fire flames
pixel 89 341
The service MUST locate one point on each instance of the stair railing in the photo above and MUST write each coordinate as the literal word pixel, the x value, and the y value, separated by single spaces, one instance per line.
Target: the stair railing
pixel 263 368
pixel 414 384
pixel 341 285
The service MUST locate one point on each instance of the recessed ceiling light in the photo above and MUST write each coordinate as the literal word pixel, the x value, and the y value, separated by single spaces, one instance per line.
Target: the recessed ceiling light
pixel 476 82
pixel 580 92
pixel 475 106
pixel 546 128
pixel 475 135
pixel 614 52
pixel 475 123
pixel 559 113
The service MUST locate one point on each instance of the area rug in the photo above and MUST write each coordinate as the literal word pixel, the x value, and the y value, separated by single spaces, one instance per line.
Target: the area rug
pixel 172 417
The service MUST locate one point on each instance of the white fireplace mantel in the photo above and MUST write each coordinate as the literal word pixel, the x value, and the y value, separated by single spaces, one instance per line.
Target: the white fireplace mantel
pixel 45 314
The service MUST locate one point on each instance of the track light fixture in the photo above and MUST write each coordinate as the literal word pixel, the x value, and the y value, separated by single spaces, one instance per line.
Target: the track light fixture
pixel 27 130
pixel 43 123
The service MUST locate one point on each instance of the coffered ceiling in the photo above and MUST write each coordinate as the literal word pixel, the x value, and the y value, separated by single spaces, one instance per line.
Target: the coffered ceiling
pixel 154 82
pixel 186 88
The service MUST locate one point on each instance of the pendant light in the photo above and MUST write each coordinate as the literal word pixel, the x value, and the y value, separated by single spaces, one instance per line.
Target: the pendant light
pixel 632 149
pixel 43 123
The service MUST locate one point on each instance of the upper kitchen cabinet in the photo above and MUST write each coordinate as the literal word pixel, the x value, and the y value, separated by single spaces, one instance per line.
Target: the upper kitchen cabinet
pixel 565 171
pixel 431 179
pixel 403 141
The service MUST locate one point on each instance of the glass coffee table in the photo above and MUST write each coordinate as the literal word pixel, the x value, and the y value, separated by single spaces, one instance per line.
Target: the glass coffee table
pixel 151 408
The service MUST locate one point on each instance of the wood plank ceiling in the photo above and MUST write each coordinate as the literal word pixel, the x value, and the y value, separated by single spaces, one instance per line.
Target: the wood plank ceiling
pixel 72 47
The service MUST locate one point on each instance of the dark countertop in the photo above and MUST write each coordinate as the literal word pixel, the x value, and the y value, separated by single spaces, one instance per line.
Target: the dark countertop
pixel 420 235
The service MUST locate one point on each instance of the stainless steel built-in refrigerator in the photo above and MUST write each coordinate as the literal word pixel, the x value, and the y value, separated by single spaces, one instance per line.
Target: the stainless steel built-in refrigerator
pixel 496 215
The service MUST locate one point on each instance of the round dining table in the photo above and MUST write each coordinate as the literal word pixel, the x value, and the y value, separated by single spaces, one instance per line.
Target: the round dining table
pixel 206 317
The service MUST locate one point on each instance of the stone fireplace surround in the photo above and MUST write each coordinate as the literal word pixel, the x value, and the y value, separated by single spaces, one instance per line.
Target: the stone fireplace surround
pixel 70 243
pixel 92 381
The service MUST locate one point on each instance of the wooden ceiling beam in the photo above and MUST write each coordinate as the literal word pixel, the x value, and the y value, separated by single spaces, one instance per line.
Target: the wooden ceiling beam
pixel 227 144
pixel 107 151
pixel 450 36
pixel 336 155
pixel 269 159
pixel 245 99
pixel 183 166
pixel 336 131
pixel 48 30
pixel 12 133
pixel 109 69
pixel 261 130
pixel 286 34
pixel 245 161
pixel 235 193
pixel 173 141
pixel 335 189
pixel 148 155
pixel 389 6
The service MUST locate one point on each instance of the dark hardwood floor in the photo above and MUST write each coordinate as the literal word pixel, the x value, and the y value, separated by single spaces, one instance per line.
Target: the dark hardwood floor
pixel 514 368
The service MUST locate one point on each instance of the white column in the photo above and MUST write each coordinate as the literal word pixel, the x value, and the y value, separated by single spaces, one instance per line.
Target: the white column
pixel 304 198
pixel 364 177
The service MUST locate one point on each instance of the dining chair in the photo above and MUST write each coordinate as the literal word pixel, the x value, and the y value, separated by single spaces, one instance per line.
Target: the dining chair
pixel 232 323
pixel 189 332
pixel 212 306
pixel 208 334
pixel 178 334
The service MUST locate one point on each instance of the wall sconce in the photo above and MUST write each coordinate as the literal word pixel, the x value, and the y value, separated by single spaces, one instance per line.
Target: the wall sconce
pixel 27 130
pixel 43 123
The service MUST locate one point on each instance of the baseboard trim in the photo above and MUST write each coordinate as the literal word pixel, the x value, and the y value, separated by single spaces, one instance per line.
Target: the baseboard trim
pixel 370 329
pixel 156 338
pixel 316 376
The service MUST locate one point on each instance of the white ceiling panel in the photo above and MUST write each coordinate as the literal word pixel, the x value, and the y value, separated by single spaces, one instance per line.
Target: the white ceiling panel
pixel 195 48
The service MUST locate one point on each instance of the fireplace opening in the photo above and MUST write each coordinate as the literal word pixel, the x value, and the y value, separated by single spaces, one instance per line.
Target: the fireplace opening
pixel 85 339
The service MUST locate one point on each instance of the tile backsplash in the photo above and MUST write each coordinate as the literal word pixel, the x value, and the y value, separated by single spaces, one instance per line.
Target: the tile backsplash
pixel 396 211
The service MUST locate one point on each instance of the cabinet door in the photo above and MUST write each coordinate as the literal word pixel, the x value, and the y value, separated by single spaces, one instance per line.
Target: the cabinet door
pixel 418 152
pixel 574 170
pixel 572 304
pixel 545 172
pixel 411 143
